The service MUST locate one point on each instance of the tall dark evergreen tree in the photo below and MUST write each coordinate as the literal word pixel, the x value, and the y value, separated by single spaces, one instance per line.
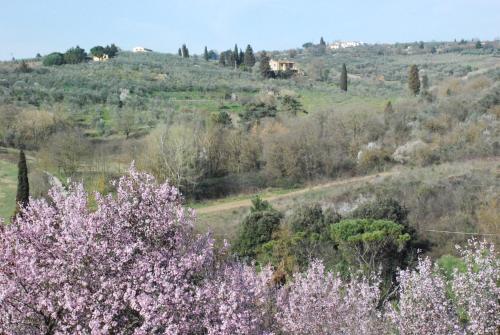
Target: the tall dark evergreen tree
pixel 322 41
pixel 222 59
pixel 249 57
pixel 343 78
pixel 180 52
pixel 111 50
pixel 388 113
pixel 23 187
pixel 241 57
pixel 265 68
pixel 205 54
pixel 388 108
pixel 236 56
pixel 414 80
pixel 185 51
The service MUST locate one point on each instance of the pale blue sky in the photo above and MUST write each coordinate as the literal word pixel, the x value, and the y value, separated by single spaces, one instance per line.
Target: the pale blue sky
pixel 31 26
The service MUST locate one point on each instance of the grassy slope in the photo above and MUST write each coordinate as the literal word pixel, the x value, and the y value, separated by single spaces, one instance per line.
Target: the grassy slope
pixel 8 184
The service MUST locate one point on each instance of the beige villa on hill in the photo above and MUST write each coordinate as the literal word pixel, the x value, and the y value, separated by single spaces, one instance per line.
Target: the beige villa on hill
pixel 282 65
pixel 100 59
pixel 141 49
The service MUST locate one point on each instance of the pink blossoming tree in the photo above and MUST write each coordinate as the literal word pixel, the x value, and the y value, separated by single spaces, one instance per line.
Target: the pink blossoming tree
pixel 238 301
pixel 477 289
pixel 319 302
pixel 423 307
pixel 132 266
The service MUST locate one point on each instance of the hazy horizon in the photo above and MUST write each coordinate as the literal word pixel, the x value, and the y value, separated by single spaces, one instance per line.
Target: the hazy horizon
pixel 34 27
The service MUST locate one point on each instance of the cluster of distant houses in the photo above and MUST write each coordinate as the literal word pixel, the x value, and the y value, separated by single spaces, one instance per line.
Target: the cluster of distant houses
pixel 101 58
pixel 344 44
pixel 105 57
pixel 276 65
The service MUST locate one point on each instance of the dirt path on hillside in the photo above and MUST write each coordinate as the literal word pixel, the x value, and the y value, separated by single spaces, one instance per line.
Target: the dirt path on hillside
pixel 367 179
pixel 248 203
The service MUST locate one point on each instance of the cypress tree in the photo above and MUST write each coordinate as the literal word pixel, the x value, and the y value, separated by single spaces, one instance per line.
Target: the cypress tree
pixel 414 80
pixel 222 59
pixel 236 56
pixel 205 54
pixel 185 51
pixel 265 68
pixel 388 113
pixel 343 78
pixel 241 57
pixel 23 187
pixel 249 57
pixel 321 48
pixel 180 52
pixel 388 108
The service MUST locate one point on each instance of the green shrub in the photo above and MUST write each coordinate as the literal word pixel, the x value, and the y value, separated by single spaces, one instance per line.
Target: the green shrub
pixel 312 219
pixel 257 228
pixel 368 244
pixel 382 209
pixel 55 58
pixel 374 159
pixel 75 55
pixel 385 208
pixel 221 118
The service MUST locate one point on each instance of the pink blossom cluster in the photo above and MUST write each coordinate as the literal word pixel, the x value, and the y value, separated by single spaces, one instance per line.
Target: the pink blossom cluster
pixel 238 301
pixel 477 289
pixel 423 307
pixel 468 304
pixel 133 264
pixel 318 302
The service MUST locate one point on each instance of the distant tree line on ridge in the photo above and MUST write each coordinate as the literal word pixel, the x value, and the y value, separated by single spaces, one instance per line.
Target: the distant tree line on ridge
pixel 78 55
pixel 237 58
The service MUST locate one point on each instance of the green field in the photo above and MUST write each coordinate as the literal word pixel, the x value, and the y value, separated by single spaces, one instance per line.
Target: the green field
pixel 8 183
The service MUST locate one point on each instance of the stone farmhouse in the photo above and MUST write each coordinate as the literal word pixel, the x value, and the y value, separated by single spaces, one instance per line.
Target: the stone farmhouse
pixel 282 65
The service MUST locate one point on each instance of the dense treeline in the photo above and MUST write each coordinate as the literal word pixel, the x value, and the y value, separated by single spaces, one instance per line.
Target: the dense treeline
pixel 238 59
pixel 78 55
pixel 374 238
pixel 271 142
